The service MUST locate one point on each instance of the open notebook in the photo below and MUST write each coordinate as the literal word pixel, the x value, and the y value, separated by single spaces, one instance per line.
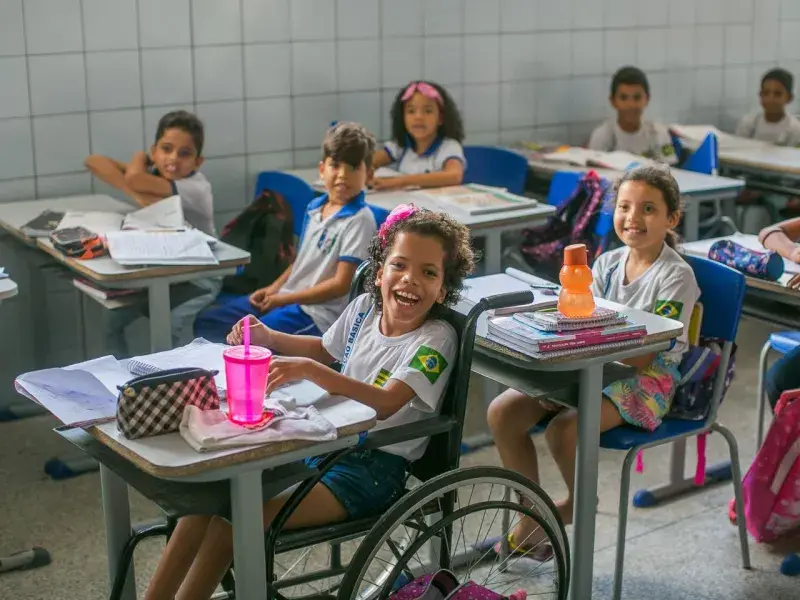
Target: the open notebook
pixel 166 214
pixel 583 157
pixel 475 199
pixel 135 248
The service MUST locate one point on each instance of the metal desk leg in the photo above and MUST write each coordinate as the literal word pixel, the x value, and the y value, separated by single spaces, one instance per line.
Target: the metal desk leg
pixel 589 398
pixel 160 318
pixel 248 538
pixel 678 484
pixel 691 220
pixel 117 517
pixel 493 259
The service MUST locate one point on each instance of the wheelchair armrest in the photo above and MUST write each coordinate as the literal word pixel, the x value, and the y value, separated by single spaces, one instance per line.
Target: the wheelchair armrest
pixel 410 431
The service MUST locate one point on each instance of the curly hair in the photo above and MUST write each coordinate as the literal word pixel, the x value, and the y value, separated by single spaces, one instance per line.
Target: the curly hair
pixel 452 126
pixel 459 258
pixel 660 178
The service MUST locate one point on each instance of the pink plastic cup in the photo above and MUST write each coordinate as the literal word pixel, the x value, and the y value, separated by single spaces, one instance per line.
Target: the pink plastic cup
pixel 246 373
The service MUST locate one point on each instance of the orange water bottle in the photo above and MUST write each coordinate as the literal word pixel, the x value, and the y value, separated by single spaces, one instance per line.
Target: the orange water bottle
pixel 575 299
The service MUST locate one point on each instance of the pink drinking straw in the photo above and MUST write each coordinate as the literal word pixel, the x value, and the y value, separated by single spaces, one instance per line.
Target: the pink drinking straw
pixel 246 340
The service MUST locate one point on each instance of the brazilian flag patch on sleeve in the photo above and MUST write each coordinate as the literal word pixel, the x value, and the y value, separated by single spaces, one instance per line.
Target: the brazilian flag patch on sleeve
pixel 429 362
pixel 667 149
pixel 381 378
pixel 670 309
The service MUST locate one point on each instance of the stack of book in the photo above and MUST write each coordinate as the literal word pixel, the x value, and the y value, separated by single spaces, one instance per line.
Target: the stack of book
pixel 547 333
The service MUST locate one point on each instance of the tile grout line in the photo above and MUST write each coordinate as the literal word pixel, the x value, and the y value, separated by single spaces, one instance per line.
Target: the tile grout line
pixel 35 171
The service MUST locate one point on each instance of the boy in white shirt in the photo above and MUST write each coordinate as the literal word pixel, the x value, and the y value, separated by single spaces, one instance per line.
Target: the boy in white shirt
pixel 773 124
pixel 170 169
pixel 338 226
pixel 629 132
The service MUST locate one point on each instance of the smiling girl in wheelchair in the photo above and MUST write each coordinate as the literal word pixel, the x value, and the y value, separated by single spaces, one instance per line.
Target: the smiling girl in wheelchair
pixel 395 356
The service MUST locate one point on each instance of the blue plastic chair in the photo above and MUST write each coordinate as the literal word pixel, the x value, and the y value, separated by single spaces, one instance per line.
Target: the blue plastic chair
pixel 781 343
pixel 296 192
pixel 722 289
pixel 562 186
pixel 497 167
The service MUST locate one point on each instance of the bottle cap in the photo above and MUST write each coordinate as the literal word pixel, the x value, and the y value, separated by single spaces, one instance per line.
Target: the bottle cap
pixel 575 255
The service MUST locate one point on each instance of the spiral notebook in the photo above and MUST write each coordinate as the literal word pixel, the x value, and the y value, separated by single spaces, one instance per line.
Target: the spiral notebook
pixel 549 319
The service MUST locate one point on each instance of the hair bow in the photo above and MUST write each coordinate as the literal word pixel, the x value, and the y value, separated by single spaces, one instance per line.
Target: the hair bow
pixel 400 213
pixel 426 89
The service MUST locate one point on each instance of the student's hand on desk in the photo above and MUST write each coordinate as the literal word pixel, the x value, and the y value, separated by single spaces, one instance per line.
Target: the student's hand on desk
pixel 284 370
pixel 380 184
pixel 259 333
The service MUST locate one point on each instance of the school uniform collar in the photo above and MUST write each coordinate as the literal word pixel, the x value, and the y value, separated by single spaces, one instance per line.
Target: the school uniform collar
pixel 430 151
pixel 348 210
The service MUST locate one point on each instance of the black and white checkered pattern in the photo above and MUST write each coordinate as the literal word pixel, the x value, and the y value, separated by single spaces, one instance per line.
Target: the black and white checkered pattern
pixel 147 406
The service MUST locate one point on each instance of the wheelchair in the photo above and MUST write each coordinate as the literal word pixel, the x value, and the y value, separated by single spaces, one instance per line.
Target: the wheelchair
pixel 449 517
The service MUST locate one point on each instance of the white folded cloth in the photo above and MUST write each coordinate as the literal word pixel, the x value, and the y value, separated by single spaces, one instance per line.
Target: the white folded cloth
pixel 206 430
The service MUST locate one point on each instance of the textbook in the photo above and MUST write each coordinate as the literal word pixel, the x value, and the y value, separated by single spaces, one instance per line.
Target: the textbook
pixel 539 341
pixel 475 199
pixel 136 248
pixel 583 157
pixel 549 319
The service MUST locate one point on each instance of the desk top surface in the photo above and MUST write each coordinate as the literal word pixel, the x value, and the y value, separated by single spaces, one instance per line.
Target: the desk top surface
pixel 689 182
pixel 659 330
pixel 14 215
pixel 169 456
pixel 781 159
pixel 391 199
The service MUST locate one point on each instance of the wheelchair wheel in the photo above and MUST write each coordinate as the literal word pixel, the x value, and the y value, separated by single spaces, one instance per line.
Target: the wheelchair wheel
pixel 460 521
pixel 314 571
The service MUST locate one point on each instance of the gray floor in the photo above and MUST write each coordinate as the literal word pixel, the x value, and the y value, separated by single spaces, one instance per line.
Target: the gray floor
pixel 686 549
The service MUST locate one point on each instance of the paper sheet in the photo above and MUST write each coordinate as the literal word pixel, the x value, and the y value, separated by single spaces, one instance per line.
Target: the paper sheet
pixel 100 223
pixel 160 248
pixel 164 214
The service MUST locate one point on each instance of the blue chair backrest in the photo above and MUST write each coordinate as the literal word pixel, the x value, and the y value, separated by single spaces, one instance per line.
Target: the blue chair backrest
pixel 722 294
pixel 562 186
pixel 296 192
pixel 497 167
pixel 706 158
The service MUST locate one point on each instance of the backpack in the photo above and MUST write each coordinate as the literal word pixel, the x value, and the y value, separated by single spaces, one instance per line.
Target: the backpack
pixel 573 223
pixel 443 585
pixel 772 484
pixel 265 230
pixel 692 399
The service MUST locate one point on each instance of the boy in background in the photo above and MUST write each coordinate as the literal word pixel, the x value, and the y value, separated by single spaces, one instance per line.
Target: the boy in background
pixel 629 132
pixel 169 170
pixel 773 124
pixel 337 229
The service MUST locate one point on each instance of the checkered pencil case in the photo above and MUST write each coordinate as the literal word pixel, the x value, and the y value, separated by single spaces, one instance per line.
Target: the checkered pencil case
pixel 153 404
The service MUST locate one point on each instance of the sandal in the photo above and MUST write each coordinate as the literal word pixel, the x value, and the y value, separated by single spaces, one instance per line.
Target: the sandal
pixel 542 553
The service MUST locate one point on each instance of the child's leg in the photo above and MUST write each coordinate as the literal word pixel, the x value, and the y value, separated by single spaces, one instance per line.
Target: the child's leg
pixel 216 322
pixel 216 553
pixel 178 556
pixel 184 315
pixel 562 439
pixel 290 319
pixel 511 416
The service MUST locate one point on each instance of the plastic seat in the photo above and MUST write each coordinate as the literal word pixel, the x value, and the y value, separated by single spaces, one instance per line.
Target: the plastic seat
pixel 782 343
pixel 723 288
pixel 497 167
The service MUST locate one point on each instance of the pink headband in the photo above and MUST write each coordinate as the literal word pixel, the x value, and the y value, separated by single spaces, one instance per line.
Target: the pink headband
pixel 400 213
pixel 426 89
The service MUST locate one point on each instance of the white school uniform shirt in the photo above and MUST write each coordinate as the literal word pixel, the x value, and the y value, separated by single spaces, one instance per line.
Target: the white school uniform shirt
pixel 408 162
pixel 652 140
pixel 667 288
pixel 197 201
pixel 423 359
pixel 343 236
pixel 785 132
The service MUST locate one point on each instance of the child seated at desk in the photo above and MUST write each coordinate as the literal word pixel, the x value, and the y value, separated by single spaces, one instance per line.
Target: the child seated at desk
pixel 169 170
pixel 629 132
pixel 646 273
pixel 426 140
pixel 396 356
pixel 784 374
pixel 312 292
pixel 773 124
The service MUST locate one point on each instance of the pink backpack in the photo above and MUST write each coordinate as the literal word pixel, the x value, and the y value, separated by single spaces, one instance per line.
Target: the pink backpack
pixel 443 585
pixel 772 484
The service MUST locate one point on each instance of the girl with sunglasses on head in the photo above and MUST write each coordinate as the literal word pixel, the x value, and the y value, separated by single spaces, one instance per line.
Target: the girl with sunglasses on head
pixel 426 140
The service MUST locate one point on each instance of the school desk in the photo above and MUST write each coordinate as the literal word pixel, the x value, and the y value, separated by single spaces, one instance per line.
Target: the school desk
pixel 108 273
pixel 489 226
pixel 696 188
pixel 515 370
pixel 169 458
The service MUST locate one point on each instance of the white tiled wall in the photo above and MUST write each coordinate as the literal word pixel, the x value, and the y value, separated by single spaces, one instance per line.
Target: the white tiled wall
pixel 268 76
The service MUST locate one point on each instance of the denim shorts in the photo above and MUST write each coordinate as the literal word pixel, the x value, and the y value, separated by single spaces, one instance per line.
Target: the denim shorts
pixel 365 482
